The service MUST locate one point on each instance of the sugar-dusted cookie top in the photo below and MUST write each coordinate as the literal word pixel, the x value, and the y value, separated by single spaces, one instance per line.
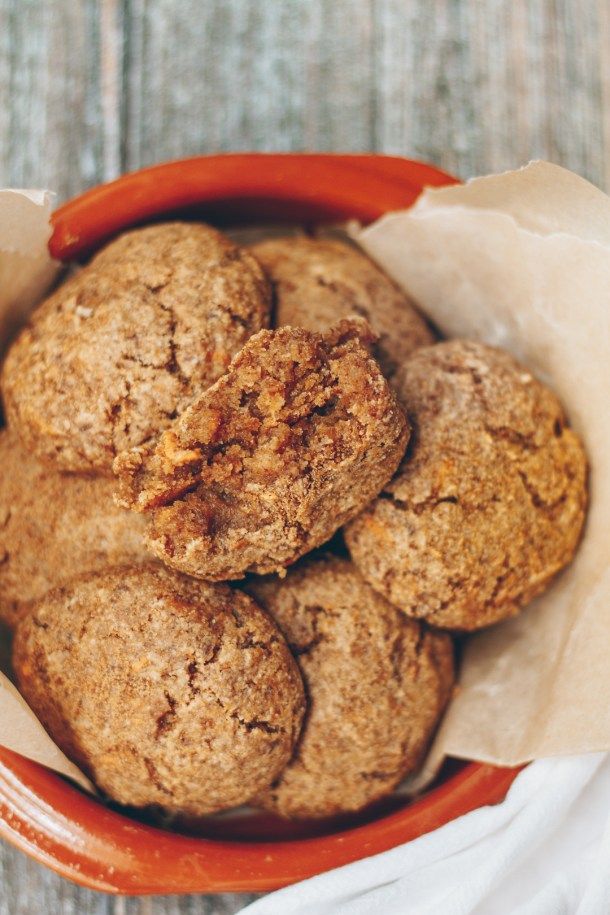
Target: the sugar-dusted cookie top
pixel 318 281
pixel 167 691
pixel 377 684
pixel 298 436
pixel 54 526
pixel 121 347
pixel 489 502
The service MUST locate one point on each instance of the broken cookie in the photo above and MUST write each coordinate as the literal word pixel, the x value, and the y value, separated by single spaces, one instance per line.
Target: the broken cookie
pixel 298 436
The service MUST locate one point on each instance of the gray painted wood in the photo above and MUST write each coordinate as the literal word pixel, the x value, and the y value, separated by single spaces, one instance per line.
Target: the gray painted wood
pixel 89 89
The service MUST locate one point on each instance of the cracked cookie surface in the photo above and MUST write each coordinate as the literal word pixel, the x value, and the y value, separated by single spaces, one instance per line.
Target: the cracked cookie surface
pixel 54 526
pixel 295 439
pixel 490 499
pixel 318 281
pixel 167 691
pixel 377 684
pixel 111 357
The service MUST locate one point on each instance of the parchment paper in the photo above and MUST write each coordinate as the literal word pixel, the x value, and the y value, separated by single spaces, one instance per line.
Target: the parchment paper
pixel 522 261
pixel 26 272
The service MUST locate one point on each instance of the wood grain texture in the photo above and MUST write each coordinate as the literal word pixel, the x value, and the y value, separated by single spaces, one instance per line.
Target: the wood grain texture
pixel 91 88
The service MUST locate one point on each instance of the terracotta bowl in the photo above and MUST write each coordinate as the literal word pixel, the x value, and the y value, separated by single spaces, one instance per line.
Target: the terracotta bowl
pixel 105 849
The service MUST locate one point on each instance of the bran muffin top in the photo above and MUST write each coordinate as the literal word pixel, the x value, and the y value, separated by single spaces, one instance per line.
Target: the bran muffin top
pixel 490 499
pixel 318 281
pixel 54 526
pixel 298 436
pixel 120 348
pixel 167 691
pixel 377 684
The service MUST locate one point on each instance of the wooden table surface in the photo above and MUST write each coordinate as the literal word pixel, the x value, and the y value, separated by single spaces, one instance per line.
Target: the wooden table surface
pixel 92 88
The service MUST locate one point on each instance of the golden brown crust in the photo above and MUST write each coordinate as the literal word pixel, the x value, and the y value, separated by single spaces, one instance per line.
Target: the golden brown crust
pixel 376 681
pixel 318 281
pixel 489 502
pixel 54 526
pixel 165 690
pixel 121 348
pixel 295 439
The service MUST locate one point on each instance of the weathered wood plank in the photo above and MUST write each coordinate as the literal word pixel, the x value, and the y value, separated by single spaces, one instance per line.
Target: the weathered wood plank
pixel 90 88
pixel 486 85
pixel 292 76
pixel 27 888
pixel 52 130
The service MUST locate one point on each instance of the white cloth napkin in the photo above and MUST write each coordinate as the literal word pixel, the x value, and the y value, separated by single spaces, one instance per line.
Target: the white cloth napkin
pixel 544 851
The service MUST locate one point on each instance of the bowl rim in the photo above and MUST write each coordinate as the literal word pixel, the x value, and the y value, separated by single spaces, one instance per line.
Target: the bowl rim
pixel 46 816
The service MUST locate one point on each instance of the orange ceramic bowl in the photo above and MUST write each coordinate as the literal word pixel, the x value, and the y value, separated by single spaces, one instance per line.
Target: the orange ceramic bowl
pixel 73 833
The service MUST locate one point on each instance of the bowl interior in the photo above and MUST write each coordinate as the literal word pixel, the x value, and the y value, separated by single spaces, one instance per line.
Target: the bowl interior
pixel 261 205
pixel 249 825
pixel 73 832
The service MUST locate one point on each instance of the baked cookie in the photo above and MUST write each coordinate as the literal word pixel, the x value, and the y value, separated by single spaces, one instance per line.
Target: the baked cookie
pixel 297 437
pixel 318 281
pixel 167 691
pixel 489 502
pixel 377 684
pixel 54 526
pixel 122 347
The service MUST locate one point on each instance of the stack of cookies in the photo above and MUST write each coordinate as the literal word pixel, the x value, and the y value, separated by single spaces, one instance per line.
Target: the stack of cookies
pixel 247 496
